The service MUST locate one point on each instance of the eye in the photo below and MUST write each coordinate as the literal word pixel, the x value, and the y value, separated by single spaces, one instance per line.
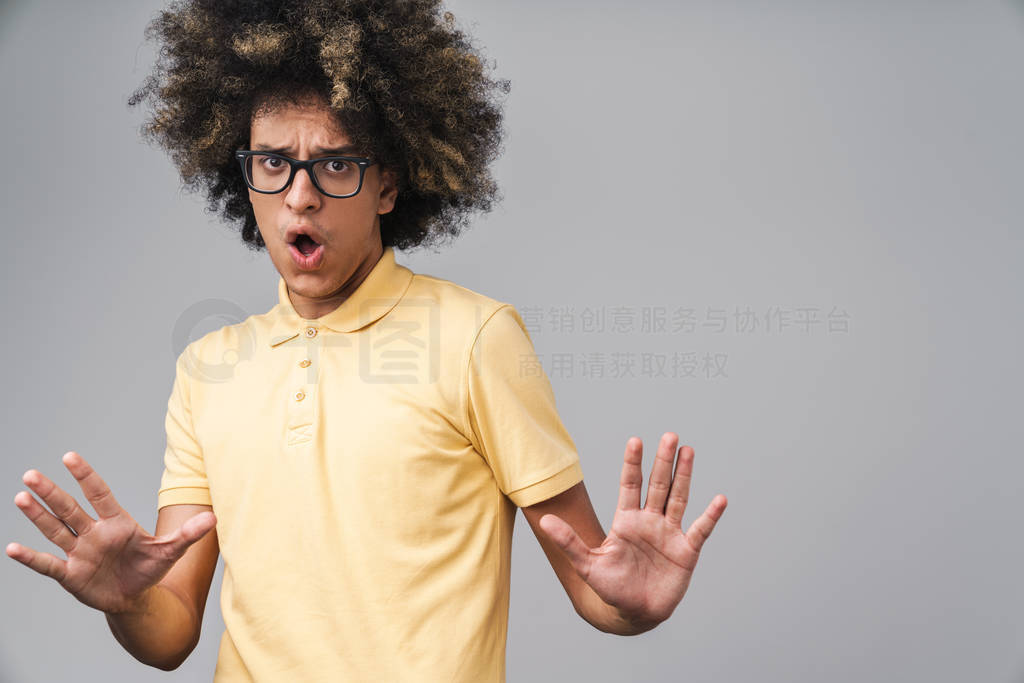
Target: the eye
pixel 337 166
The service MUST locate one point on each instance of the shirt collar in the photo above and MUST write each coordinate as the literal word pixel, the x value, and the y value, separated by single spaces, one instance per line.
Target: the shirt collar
pixel 382 289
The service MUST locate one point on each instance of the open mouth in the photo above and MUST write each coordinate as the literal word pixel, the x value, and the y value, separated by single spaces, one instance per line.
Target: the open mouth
pixel 305 244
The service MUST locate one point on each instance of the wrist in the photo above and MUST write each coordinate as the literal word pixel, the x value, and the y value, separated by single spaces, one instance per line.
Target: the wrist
pixel 157 627
pixel 136 606
pixel 610 619
pixel 631 625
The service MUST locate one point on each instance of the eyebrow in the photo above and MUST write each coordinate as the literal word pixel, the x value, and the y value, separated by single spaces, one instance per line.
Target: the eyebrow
pixel 347 149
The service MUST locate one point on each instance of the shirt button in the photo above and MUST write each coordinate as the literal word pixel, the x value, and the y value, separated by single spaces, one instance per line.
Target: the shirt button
pixel 310 332
pixel 299 395
pixel 304 363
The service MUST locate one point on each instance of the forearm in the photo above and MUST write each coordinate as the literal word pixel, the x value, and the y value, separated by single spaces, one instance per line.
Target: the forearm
pixel 161 632
pixel 604 617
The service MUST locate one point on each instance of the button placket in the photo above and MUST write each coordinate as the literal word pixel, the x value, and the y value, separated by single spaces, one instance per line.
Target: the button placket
pixel 302 410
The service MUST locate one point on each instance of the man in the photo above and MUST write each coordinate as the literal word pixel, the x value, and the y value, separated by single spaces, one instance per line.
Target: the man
pixel 361 464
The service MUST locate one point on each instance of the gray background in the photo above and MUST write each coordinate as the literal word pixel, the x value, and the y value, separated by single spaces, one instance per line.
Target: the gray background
pixel 851 158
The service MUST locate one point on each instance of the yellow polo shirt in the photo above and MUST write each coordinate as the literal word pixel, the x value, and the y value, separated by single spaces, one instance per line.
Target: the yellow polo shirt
pixel 365 469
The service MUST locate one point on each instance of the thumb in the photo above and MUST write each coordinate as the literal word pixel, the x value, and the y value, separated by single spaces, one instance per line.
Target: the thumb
pixel 193 529
pixel 569 541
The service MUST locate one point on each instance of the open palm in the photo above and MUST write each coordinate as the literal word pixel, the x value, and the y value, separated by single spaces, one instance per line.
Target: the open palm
pixel 111 560
pixel 643 567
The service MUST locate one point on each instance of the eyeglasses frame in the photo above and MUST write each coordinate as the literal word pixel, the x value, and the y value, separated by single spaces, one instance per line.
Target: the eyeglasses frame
pixel 295 164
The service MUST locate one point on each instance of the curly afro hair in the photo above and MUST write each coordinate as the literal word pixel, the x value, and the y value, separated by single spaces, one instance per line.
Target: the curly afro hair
pixel 402 81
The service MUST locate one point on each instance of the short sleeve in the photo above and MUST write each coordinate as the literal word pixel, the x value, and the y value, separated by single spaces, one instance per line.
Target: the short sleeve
pixel 184 476
pixel 512 413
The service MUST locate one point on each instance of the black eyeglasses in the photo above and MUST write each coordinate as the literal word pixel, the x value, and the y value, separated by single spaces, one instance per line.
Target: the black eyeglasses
pixel 338 176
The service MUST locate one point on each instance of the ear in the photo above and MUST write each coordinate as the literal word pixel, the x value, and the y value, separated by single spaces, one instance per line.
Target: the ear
pixel 388 191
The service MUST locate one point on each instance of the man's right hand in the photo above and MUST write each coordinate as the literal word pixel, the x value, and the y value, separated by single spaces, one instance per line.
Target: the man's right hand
pixel 111 561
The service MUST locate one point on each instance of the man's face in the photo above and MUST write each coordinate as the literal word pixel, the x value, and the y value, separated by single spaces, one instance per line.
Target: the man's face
pixel 347 229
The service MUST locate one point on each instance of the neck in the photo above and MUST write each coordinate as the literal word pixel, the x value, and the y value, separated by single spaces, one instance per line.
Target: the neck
pixel 313 307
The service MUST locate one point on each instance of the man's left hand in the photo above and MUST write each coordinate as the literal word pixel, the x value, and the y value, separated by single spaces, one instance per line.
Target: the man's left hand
pixel 643 567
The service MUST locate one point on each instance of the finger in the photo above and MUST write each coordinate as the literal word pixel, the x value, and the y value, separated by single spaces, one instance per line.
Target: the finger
pixel 680 493
pixel 95 489
pixel 569 542
pixel 44 563
pixel 632 479
pixel 191 531
pixel 54 529
pixel 705 524
pixel 64 506
pixel 661 473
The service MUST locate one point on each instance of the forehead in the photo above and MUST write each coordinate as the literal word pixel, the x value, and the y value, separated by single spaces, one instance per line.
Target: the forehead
pixel 285 123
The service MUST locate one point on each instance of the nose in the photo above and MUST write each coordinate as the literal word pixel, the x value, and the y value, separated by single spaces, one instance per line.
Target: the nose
pixel 302 194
